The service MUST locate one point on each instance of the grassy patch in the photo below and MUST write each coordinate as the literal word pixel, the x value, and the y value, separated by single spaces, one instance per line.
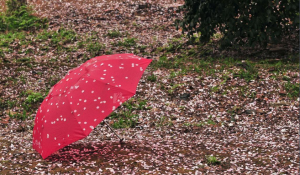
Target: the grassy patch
pixel 11 103
pixel 174 45
pixel 62 40
pixel 165 62
pixel 127 117
pixel 114 33
pixel 7 38
pixel 20 116
pixel 32 101
pixel 248 71
pixel 127 42
pixel 127 120
pixel 52 80
pixel 33 97
pixel 174 87
pixel 152 78
pixel 20 18
pixel 212 160
pixel 95 49
pixel 203 123
pixel 215 88
pixel 163 121
pixel 62 36
pixel 292 89
pixel 279 65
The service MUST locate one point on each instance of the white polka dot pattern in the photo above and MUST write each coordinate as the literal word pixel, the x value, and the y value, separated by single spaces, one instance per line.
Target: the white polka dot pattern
pixel 83 98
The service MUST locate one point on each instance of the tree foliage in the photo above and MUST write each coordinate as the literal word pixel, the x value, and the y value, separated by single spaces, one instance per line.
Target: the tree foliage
pixel 247 22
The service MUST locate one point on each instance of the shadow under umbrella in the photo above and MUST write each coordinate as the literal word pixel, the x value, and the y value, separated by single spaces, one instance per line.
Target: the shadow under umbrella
pixel 89 151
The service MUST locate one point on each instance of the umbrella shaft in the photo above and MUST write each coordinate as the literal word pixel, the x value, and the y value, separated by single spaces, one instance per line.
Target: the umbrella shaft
pixel 113 131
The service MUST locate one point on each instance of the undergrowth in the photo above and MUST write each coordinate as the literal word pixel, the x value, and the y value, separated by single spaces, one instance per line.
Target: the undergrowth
pixel 128 117
pixel 20 18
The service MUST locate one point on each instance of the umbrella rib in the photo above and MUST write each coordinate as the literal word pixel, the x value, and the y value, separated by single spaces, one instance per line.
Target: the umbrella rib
pixel 71 86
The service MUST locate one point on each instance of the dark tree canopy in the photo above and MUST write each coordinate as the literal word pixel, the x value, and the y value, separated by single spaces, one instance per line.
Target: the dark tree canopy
pixel 247 22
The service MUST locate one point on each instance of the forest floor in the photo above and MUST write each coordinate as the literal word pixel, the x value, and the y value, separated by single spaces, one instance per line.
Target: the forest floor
pixel 197 109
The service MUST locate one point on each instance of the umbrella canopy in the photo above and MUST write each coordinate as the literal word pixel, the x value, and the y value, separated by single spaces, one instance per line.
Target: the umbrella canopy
pixel 83 98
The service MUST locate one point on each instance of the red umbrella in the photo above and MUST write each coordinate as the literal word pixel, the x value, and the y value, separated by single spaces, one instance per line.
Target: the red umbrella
pixel 83 98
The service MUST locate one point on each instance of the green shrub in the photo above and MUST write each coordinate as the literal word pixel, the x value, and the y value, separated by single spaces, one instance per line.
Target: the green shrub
pixel 247 22
pixel 18 17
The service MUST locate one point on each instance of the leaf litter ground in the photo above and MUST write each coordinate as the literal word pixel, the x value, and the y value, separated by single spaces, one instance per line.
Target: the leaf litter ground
pixel 249 126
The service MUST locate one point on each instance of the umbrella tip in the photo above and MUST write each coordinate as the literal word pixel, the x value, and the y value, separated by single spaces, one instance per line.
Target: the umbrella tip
pixel 122 140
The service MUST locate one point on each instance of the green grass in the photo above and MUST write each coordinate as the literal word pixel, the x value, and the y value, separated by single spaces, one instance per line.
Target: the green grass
pixel 11 104
pixel 108 52
pixel 292 89
pixel 62 40
pixel 248 76
pixel 52 80
pixel 173 88
pixel 210 122
pixel 191 61
pixel 24 60
pixel 247 71
pixel 34 97
pixel 126 121
pixel 163 121
pixel 44 35
pixel 127 42
pixel 95 49
pixel 212 160
pixel 174 45
pixel 152 78
pixel 290 62
pixel 21 19
pixel 7 38
pixel 3 103
pixel 32 101
pixel 286 78
pixel 215 88
pixel 164 62
pixel 114 33
pixel 80 44
pixel 142 47
pixel 127 117
pixel 20 116
pixel 62 36
pixel 203 123
pixel 187 124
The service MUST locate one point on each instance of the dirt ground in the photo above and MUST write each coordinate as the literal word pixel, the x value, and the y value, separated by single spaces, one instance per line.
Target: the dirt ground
pixel 177 134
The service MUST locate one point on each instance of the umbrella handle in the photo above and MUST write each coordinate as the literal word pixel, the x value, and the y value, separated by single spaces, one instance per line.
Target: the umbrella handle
pixel 121 139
